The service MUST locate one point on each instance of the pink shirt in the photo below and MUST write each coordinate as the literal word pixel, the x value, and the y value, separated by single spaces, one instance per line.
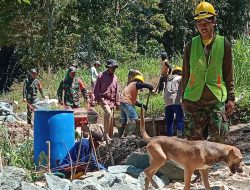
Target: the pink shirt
pixel 107 88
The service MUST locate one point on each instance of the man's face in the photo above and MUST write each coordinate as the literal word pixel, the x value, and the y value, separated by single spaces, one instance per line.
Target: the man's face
pixel 205 27
pixel 112 69
pixel 97 65
pixel 33 75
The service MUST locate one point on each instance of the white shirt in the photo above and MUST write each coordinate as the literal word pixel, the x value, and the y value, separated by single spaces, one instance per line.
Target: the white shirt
pixel 94 74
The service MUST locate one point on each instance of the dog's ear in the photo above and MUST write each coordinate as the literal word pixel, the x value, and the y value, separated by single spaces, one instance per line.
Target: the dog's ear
pixel 235 152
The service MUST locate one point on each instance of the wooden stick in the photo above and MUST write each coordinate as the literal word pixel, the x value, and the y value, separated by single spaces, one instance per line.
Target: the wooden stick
pixel 87 166
pixel 147 102
pixel 111 127
pixel 1 164
pixel 48 143
pixel 93 147
pixel 107 144
pixel 79 152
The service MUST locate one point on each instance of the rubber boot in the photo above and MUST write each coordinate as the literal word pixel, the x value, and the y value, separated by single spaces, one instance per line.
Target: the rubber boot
pixel 121 130
pixel 131 128
pixel 179 134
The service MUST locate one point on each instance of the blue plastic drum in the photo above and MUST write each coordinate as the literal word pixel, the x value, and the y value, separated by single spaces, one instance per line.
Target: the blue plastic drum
pixel 56 126
pixel 61 135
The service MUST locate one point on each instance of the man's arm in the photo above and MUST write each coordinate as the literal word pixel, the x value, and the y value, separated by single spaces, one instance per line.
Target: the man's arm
pixel 60 92
pixel 117 93
pixel 40 88
pixel 94 74
pixel 228 77
pixel 186 67
pixel 24 90
pixel 97 88
pixel 140 85
pixel 83 89
pixel 228 71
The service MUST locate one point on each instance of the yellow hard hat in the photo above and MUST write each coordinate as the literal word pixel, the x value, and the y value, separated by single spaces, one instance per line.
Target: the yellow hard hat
pixel 177 68
pixel 204 10
pixel 139 77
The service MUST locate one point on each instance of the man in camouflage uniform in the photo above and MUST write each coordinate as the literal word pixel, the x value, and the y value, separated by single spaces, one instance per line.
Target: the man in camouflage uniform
pixel 207 80
pixel 30 87
pixel 71 87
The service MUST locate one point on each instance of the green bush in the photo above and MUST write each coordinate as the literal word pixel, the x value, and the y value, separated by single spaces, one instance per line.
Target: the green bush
pixel 20 155
pixel 241 55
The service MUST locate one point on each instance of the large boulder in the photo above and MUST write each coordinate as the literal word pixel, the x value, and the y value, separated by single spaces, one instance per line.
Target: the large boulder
pixel 128 169
pixel 157 180
pixel 170 170
pixel 30 186
pixel 139 160
pixel 11 178
pixel 86 184
pixel 55 183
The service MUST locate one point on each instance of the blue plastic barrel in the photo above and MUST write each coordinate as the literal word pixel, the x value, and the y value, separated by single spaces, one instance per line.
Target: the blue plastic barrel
pixel 61 135
pixel 43 133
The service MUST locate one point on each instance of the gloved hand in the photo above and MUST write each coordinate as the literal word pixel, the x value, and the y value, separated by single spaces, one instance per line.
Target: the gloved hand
pixel 151 89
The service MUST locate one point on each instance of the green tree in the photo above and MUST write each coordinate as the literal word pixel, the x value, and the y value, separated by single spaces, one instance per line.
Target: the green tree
pixel 232 20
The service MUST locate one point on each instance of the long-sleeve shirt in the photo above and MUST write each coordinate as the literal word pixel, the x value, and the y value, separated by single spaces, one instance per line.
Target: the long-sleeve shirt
pixel 94 74
pixel 107 88
pixel 30 88
pixel 173 90
pixel 71 88
pixel 208 97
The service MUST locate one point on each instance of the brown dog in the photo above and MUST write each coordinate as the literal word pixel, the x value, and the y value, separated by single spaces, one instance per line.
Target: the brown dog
pixel 190 155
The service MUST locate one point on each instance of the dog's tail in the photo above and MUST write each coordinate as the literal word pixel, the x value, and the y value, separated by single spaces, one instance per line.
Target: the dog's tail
pixel 142 127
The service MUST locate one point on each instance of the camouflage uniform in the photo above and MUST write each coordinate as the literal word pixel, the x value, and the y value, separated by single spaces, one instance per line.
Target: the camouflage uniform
pixel 30 88
pixel 208 114
pixel 213 117
pixel 71 88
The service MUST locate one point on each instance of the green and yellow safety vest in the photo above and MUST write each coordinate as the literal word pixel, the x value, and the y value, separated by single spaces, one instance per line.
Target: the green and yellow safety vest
pixel 203 72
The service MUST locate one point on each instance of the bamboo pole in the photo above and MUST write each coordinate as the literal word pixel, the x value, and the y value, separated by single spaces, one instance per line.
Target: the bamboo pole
pixel 93 146
pixel 1 164
pixel 48 143
pixel 79 152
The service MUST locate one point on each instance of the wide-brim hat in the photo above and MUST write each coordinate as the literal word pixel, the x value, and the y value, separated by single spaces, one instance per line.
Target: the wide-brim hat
pixel 112 63
pixel 72 69
pixel 98 63
pixel 33 71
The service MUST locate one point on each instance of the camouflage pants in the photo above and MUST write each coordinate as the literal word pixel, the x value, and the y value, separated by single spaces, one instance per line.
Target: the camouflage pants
pixel 211 118
pixel 30 102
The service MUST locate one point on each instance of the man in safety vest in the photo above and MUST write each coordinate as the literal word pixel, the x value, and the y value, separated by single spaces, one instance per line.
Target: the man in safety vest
pixel 207 79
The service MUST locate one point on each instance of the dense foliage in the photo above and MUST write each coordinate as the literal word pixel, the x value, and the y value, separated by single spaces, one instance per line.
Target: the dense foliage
pixel 51 33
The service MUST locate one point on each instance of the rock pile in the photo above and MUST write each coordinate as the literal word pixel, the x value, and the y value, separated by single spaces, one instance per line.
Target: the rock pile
pixel 121 149
pixel 16 132
pixel 116 177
